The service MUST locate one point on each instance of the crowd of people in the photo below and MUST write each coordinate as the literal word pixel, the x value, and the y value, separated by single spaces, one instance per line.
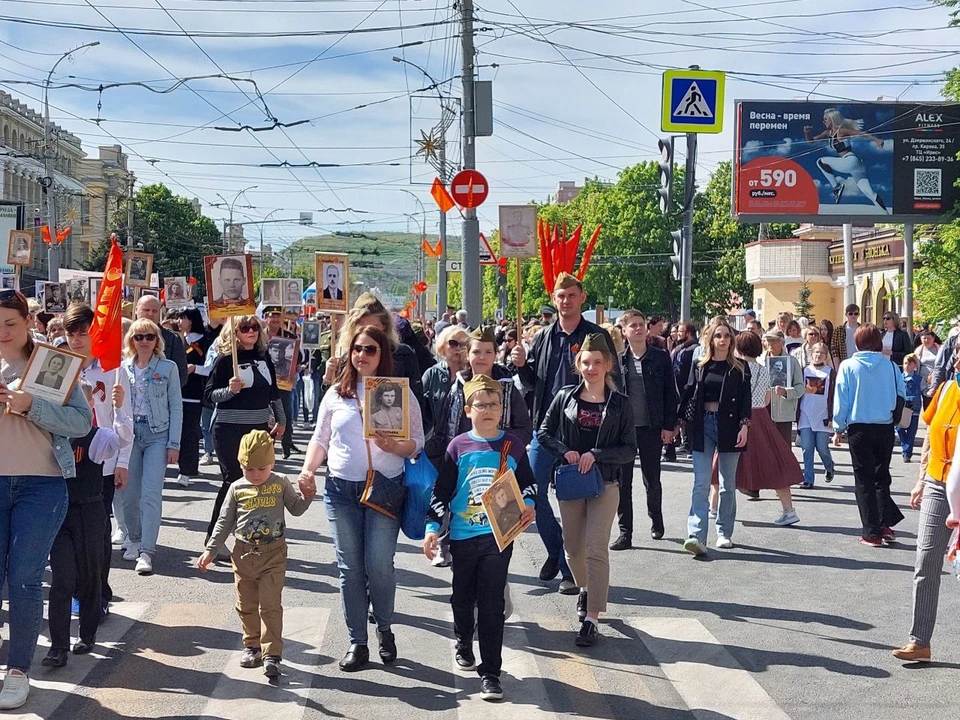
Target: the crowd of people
pixel 568 405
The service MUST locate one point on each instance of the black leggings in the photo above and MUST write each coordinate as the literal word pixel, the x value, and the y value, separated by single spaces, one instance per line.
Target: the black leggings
pixel 76 560
pixel 190 439
pixel 226 442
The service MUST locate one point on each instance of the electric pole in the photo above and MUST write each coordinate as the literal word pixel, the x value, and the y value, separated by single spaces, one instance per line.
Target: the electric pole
pixel 470 252
pixel 130 213
pixel 686 256
pixel 442 261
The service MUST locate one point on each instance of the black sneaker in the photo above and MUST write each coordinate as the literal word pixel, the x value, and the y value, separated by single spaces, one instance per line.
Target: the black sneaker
pixel 466 660
pixel 624 542
pixel 670 453
pixel 490 689
pixel 271 666
pixel 250 658
pixel 550 569
pixel 828 477
pixel 582 605
pixel 388 645
pixel 588 635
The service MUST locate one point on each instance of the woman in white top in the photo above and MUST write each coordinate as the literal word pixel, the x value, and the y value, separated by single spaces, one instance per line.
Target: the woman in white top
pixel 816 414
pixel 927 356
pixel 365 539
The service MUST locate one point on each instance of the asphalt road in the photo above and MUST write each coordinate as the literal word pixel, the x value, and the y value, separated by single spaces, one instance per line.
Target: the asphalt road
pixel 794 623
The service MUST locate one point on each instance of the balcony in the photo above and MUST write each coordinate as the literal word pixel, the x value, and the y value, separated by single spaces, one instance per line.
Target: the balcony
pixel 788 260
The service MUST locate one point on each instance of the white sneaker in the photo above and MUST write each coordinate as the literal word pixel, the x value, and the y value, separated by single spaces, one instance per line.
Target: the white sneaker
pixel 119 537
pixel 724 543
pixel 144 565
pixel 712 514
pixel 16 687
pixel 183 481
pixel 694 546
pixel 132 552
pixel 207 459
pixel 789 517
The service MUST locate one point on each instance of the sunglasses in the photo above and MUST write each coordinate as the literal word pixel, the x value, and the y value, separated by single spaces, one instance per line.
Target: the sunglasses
pixel 368 350
pixel 248 329
pixel 141 337
pixel 852 314
pixel 454 344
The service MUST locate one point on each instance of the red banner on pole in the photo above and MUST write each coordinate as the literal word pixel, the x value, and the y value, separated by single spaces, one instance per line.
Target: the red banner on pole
pixel 106 333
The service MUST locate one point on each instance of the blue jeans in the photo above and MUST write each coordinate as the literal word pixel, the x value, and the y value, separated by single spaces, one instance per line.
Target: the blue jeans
pixel 542 462
pixel 811 440
pixel 365 541
pixel 206 422
pixel 697 523
pixel 143 495
pixel 908 436
pixel 317 379
pixel 32 509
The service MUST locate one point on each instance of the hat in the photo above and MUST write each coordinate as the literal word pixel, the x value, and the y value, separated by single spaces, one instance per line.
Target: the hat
pixel 750 314
pixel 547 310
pixel 256 450
pixel 481 383
pixel 272 310
pixel 566 280
pixel 484 334
pixel 595 342
pixel 773 335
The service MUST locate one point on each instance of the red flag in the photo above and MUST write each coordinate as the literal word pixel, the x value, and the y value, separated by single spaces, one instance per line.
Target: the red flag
pixel 106 333
pixel 441 196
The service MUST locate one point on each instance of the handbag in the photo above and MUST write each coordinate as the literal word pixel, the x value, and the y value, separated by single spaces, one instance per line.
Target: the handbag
pixel 381 493
pixel 419 476
pixel 902 415
pixel 571 484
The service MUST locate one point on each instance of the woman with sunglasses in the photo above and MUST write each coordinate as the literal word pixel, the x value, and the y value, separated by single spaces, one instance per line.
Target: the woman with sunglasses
pixel 243 401
pixel 365 539
pixel 37 462
pixel 451 349
pixel 157 404
pixel 896 342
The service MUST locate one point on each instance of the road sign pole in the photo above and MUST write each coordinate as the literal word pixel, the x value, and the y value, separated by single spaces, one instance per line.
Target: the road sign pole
pixel 686 255
pixel 472 301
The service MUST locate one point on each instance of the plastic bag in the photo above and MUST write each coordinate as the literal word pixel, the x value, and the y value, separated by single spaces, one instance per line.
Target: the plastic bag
pixel 419 476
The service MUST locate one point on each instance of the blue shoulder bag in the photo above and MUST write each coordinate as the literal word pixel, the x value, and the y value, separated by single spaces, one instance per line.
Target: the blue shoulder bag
pixel 571 484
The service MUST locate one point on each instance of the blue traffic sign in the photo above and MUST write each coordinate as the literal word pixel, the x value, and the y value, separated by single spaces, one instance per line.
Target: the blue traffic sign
pixel 692 101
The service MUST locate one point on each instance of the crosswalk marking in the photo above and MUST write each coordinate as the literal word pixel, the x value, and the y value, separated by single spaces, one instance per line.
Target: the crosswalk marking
pixel 703 672
pixel 49 687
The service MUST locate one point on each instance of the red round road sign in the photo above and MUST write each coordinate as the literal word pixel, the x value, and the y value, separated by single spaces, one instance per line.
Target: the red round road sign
pixel 469 189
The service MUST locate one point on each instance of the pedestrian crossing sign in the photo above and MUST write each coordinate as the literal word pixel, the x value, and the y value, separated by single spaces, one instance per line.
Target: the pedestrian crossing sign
pixel 692 101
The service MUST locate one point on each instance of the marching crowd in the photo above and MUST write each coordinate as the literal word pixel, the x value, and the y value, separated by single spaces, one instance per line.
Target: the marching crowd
pixel 566 404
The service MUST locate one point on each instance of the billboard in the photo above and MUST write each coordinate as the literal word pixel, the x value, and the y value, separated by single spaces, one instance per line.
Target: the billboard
pixel 798 161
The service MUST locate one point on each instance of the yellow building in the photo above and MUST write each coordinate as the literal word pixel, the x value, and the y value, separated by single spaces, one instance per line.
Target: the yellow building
pixel 107 180
pixel 777 268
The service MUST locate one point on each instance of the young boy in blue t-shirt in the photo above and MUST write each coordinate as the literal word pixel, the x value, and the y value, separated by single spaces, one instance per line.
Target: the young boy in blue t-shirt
pixel 472 462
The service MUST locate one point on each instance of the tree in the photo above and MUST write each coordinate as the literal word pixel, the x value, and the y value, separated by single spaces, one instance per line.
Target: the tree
pixel 169 227
pixel 803 307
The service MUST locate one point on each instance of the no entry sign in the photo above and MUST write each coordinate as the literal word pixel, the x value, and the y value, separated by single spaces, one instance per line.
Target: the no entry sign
pixel 469 189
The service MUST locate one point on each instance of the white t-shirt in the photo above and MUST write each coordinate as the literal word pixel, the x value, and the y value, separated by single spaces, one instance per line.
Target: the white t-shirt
pixel 851 345
pixel 813 404
pixel 888 341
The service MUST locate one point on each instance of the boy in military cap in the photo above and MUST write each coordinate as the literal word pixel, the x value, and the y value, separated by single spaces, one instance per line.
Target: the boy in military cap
pixel 472 462
pixel 253 512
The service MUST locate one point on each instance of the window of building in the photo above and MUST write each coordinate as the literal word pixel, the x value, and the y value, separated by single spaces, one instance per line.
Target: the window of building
pixel 866 303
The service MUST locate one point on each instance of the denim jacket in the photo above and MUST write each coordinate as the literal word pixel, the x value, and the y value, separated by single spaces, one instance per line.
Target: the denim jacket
pixel 164 409
pixel 69 421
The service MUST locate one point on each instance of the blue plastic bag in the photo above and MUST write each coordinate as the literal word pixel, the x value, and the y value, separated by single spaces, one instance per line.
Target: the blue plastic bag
pixel 419 476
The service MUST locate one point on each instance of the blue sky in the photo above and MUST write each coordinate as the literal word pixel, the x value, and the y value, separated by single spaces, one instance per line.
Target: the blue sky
pixel 576 90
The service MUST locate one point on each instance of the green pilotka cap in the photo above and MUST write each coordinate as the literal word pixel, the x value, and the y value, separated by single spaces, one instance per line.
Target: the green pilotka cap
pixel 484 334
pixel 481 383
pixel 595 342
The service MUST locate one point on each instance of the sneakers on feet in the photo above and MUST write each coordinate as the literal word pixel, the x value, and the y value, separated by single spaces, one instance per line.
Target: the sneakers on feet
pixel 712 514
pixel 119 537
pixel 828 477
pixel 872 542
pixel 16 687
pixel 568 587
pixel 131 552
pixel 271 666
pixel 183 481
pixel 250 658
pixel 888 535
pixel 144 564
pixel 694 546
pixel 582 606
pixel 724 543
pixel 490 689
pixel 466 660
pixel 913 652
pixel 207 459
pixel 588 635
pixel 788 517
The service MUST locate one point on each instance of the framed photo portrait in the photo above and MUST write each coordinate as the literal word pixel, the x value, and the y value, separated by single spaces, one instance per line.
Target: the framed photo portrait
pixel 293 291
pixel 283 351
pixel 311 334
pixel 95 283
pixel 151 292
pixel 311 297
pixel 333 282
pixel 385 407
pixel 54 296
pixel 518 231
pixel 78 291
pixel 139 269
pixel 9 281
pixel 270 291
pixel 779 367
pixel 229 285
pixel 51 373
pixel 175 292
pixel 504 506
pixel 20 248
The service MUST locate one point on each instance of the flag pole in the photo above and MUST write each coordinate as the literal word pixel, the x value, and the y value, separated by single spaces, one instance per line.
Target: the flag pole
pixel 519 302
pixel 233 349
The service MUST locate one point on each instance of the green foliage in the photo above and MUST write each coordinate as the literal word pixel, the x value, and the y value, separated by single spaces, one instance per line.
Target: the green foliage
pixel 169 227
pixel 803 307
pixel 938 292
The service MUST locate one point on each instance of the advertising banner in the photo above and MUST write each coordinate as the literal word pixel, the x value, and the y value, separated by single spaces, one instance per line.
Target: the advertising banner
pixel 831 163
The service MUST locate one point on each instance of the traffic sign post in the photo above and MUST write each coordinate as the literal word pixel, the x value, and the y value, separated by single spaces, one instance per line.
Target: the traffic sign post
pixel 487 256
pixel 469 189
pixel 692 101
pixel 454 266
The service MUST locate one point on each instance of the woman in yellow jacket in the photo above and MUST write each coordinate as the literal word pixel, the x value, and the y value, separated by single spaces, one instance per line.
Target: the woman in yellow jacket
pixel 942 417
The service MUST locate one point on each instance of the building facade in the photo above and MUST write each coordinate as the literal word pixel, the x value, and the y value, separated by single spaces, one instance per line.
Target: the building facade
pixel 107 181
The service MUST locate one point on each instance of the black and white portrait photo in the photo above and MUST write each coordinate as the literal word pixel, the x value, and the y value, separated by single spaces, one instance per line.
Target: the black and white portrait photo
pixel 518 230
pixel 20 248
pixel 54 297
pixel 51 373
pixel 283 352
pixel 333 282
pixel 229 285
pixel 270 291
pixel 385 408
pixel 78 291
pixel 292 291
pixel 311 334
pixel 139 269
pixel 175 293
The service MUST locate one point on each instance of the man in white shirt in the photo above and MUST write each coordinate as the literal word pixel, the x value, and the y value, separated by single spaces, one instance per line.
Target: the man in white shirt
pixel 77 322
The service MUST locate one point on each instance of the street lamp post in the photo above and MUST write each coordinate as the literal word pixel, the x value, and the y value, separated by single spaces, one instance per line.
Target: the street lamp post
pixel 421 261
pixel 262 223
pixel 230 205
pixel 53 252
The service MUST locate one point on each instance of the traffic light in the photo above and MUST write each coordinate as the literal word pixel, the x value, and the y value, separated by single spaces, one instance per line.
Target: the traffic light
pixel 676 260
pixel 665 191
pixel 502 272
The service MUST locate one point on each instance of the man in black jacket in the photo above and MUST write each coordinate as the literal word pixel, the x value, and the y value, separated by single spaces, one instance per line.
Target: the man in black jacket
pixel 545 371
pixel 649 383
pixel 148 308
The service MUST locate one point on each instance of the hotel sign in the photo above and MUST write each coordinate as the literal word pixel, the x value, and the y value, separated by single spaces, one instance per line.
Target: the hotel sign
pixel 869 255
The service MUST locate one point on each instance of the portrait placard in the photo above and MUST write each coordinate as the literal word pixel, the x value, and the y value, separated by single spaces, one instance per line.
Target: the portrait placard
pixel 504 506
pixel 78 291
pixel 311 334
pixel 150 292
pixel 270 291
pixel 9 281
pixel 139 269
pixel 386 408
pixel 95 283
pixel 229 285
pixel 175 293
pixel 51 373
pixel 283 351
pixel 52 296
pixel 20 248
pixel 518 231
pixel 293 291
pixel 779 366
pixel 333 282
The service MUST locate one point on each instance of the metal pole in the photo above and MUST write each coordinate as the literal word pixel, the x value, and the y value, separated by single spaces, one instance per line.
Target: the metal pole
pixel 442 260
pixel 472 300
pixel 908 276
pixel 849 290
pixel 686 256
pixel 130 213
